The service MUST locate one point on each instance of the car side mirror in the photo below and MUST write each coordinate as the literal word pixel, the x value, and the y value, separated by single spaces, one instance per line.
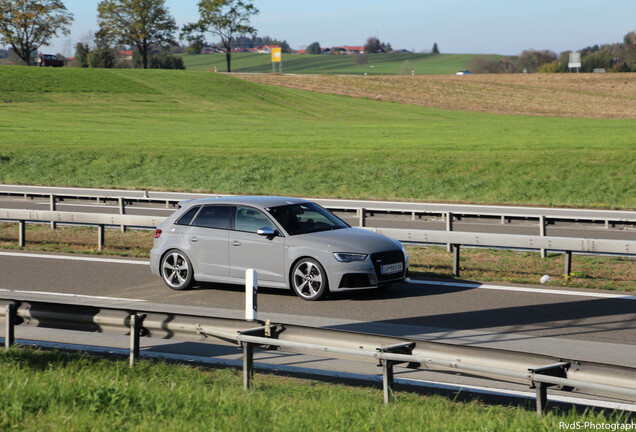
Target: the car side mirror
pixel 266 232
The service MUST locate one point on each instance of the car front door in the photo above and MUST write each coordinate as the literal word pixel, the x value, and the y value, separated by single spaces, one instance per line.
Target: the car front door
pixel 207 238
pixel 249 250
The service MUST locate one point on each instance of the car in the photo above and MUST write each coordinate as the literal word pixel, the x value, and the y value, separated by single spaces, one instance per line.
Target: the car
pixel 49 60
pixel 292 243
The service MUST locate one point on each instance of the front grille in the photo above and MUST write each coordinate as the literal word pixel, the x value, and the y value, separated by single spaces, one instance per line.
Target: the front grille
pixel 388 257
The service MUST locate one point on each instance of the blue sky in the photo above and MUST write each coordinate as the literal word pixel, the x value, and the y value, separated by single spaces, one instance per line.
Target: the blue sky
pixel 458 26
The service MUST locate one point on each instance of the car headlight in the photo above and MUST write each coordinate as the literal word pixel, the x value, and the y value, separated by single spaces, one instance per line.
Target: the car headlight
pixel 349 257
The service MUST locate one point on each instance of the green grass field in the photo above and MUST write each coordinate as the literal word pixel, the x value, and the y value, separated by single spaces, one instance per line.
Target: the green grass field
pixel 198 131
pixel 52 391
pixel 377 64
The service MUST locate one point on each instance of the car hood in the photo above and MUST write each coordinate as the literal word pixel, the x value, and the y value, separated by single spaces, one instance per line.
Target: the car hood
pixel 355 240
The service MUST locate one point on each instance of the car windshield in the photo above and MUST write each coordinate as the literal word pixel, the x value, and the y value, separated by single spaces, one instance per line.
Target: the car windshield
pixel 305 218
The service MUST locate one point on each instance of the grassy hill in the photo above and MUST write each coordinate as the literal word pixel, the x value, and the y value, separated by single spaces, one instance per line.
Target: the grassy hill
pixel 378 64
pixel 185 130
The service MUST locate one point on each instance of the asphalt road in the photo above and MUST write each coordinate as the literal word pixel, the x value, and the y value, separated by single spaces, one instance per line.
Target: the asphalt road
pixel 580 325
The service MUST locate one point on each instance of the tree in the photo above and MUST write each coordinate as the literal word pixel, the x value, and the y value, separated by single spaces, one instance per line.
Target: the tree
pixel 435 48
pixel 141 23
pixel 532 59
pixel 101 57
pixel 224 18
pixel 81 54
pixel 373 45
pixel 314 48
pixel 26 25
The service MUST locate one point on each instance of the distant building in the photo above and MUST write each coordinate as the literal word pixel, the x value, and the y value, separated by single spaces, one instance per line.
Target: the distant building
pixel 347 50
pixel 126 55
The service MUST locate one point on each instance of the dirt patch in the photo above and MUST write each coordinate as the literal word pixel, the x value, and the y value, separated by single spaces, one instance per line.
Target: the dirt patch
pixel 609 95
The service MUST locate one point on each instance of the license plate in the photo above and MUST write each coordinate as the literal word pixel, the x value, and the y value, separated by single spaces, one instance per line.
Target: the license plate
pixel 391 268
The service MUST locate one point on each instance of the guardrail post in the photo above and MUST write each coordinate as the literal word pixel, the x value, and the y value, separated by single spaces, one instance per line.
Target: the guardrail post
pixel 456 267
pixel 552 370
pixel 100 237
pixel 362 217
pixel 251 293
pixel 387 367
pixel 122 210
pixel 248 365
pixel 52 208
pixel 21 233
pixel 135 333
pixel 568 263
pixel 542 231
pixel 387 380
pixel 542 397
pixel 449 227
pixel 9 336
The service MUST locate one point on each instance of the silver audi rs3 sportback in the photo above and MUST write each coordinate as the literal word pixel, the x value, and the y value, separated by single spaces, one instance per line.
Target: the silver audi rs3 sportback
pixel 290 242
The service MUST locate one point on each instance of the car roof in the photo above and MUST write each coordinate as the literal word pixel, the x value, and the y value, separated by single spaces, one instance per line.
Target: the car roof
pixel 256 201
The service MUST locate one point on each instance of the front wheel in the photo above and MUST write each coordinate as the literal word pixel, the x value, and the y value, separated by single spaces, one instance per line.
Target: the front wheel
pixel 176 270
pixel 309 280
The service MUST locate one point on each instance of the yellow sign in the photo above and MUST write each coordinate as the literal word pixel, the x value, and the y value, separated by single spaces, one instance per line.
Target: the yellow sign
pixel 276 55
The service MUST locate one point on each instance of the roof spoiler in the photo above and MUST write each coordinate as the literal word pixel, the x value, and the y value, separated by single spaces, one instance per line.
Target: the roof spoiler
pixel 181 203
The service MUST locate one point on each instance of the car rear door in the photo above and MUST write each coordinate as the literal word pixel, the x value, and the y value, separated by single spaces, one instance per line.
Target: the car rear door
pixel 207 238
pixel 265 254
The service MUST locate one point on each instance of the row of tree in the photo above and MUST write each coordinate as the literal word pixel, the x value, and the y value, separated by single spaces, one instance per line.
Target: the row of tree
pixel 617 57
pixel 372 46
pixel 26 25
pixel 239 41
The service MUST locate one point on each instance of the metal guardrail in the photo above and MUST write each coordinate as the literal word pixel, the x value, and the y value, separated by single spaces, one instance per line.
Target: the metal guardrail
pixel 568 245
pixel 362 208
pixel 538 371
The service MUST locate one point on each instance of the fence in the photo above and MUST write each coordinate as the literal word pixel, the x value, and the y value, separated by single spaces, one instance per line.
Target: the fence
pixel 538 371
pixel 568 245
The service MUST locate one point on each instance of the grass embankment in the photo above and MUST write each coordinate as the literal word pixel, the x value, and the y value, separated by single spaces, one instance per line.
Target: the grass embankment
pixel 195 131
pixel 54 391
pixel 592 272
pixel 376 64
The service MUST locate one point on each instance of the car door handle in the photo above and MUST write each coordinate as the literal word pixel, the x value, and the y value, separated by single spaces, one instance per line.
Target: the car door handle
pixel 194 239
pixel 236 243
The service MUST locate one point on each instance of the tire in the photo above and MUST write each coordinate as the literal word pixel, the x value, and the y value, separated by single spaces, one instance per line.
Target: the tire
pixel 176 270
pixel 309 279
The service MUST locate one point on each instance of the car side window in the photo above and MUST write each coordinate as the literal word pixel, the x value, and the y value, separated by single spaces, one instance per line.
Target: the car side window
pixel 251 220
pixel 213 216
pixel 187 217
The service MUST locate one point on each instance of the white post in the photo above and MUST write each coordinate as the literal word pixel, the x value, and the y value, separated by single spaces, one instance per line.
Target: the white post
pixel 251 290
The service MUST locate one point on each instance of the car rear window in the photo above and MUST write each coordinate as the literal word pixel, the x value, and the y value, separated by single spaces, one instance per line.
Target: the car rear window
pixel 187 217
pixel 215 216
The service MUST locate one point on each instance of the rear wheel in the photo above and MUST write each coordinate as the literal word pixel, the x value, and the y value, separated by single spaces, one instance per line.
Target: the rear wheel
pixel 309 280
pixel 176 270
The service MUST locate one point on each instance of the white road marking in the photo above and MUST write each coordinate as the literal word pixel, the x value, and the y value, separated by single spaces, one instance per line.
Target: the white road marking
pixel 526 290
pixel 75 258
pixel 81 296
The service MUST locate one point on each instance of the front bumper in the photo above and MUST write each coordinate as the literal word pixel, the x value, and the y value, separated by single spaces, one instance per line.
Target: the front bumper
pixel 367 274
